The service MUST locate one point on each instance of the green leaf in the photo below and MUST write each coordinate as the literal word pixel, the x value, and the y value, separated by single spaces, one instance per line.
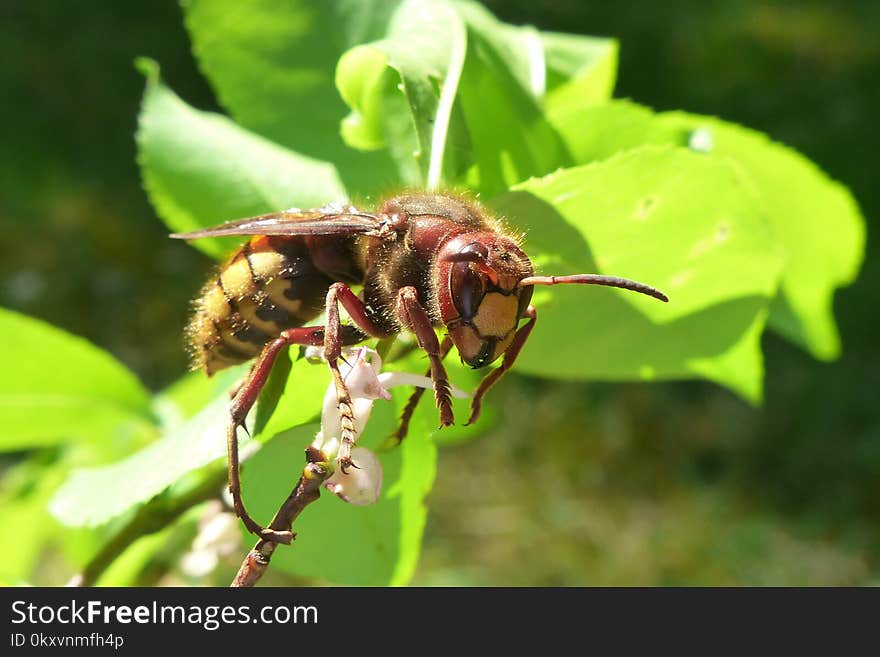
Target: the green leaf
pixel 271 393
pixel 83 500
pixel 581 70
pixel 509 134
pixel 184 447
pixel 272 66
pixel 294 399
pixel 417 44
pixel 189 394
pixel 417 473
pixel 425 46
pixel 597 132
pixel 28 532
pixel 24 530
pixel 815 219
pixel 362 78
pixel 494 134
pixel 59 387
pixel 200 169
pixel 676 220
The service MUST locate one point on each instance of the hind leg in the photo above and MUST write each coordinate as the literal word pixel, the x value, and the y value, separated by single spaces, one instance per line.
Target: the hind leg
pixel 245 397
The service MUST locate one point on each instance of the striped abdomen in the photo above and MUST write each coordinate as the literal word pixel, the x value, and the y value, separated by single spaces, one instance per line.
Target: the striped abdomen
pixel 268 285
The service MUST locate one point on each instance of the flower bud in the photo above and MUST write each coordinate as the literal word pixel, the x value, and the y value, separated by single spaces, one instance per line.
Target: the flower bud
pixel 359 485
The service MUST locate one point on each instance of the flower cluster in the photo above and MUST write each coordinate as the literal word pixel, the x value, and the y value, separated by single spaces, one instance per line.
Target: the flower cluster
pixel 361 371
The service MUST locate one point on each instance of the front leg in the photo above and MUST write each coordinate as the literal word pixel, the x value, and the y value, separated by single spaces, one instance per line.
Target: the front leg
pixel 413 401
pixel 414 317
pixel 341 293
pixel 509 359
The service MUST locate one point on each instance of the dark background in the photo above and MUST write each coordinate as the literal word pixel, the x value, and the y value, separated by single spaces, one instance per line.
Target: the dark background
pixel 664 483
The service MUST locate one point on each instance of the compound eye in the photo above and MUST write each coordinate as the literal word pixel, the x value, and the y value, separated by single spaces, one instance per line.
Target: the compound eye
pixel 475 250
pixel 466 287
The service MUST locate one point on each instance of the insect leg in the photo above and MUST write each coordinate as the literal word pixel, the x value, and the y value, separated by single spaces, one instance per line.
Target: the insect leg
pixel 510 355
pixel 415 318
pixel 415 397
pixel 336 294
pixel 246 395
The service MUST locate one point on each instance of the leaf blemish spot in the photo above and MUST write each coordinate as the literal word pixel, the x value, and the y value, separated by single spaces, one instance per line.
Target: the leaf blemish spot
pixel 720 236
pixel 701 140
pixel 645 207
pixel 562 198
pixel 681 278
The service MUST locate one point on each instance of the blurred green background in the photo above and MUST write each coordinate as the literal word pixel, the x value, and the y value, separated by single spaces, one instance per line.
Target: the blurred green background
pixel 633 484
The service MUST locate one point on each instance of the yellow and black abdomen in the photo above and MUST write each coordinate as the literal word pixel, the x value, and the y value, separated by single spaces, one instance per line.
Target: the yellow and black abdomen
pixel 268 285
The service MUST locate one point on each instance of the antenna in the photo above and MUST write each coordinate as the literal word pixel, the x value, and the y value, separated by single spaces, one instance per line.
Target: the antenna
pixel 594 279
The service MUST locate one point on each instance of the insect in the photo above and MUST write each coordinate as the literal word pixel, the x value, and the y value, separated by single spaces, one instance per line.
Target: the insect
pixel 425 261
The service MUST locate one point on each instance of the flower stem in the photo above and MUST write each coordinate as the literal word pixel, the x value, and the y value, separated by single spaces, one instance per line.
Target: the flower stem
pixel 307 490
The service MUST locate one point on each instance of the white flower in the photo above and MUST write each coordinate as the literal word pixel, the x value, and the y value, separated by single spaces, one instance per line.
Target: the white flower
pixel 361 484
pixel 219 536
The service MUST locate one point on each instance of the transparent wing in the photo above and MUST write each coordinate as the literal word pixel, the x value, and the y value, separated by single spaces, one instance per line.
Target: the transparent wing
pixel 308 222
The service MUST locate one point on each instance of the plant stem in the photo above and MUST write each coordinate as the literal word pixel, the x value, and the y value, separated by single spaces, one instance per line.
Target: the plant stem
pixel 307 490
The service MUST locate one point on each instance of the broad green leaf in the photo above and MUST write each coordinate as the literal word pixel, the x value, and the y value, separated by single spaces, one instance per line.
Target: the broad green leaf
pixel 183 447
pixel 597 132
pixel 201 169
pixel 296 400
pixel 417 472
pixel 59 387
pixel 581 70
pixel 494 134
pixel 418 44
pixel 509 134
pixel 24 530
pixel 572 67
pixel 83 500
pixel 29 532
pixel 815 219
pixel 408 112
pixel 676 220
pixel 272 66
pixel 186 396
pixel 270 395
pixel 548 64
pixel 362 77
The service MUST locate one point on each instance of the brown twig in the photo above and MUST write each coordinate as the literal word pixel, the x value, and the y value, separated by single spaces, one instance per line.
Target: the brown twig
pixel 307 490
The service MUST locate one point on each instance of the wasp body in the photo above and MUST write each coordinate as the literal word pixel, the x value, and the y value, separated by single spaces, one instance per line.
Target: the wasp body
pixel 425 261
pixel 270 284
